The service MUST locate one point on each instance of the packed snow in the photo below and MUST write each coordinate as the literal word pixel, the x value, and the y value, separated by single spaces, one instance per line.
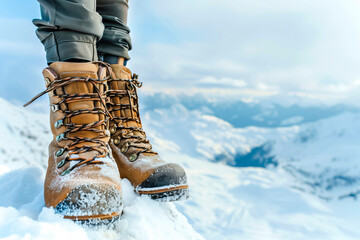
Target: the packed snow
pixel 281 174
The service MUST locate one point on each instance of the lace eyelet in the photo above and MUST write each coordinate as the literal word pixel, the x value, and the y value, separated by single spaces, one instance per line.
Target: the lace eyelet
pixel 60 152
pixel 113 129
pixel 117 140
pixel 65 172
pixel 47 81
pixel 61 163
pixel 124 148
pixel 132 158
pixel 59 123
pixel 60 137
pixel 55 107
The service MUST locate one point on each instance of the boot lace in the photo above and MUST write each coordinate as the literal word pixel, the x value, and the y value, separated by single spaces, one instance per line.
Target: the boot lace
pixel 73 147
pixel 126 137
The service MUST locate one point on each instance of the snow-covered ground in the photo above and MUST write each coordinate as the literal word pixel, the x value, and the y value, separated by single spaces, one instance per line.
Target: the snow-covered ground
pixel 281 174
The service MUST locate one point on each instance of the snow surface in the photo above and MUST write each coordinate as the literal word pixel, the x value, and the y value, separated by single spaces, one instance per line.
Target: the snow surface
pixel 296 179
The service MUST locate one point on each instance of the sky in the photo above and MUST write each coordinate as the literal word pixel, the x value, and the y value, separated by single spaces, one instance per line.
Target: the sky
pixel 244 48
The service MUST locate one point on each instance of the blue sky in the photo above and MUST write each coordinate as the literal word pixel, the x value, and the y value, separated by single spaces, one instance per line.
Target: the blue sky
pixel 246 48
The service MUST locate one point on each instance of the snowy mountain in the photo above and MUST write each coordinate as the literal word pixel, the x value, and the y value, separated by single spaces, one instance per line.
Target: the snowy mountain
pixel 256 171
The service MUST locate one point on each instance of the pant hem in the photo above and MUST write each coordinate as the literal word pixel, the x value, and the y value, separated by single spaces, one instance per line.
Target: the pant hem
pixel 65 50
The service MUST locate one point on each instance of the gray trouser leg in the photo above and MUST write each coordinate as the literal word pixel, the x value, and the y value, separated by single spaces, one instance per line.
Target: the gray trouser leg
pixel 116 39
pixel 69 29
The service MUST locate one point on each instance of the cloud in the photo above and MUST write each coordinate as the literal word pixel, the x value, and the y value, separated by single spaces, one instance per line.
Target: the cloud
pixel 309 47
pixel 264 47
pixel 21 59
pixel 17 37
pixel 222 82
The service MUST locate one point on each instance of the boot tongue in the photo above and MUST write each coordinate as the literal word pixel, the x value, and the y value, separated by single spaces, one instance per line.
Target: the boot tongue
pixel 81 70
pixel 70 69
pixel 122 72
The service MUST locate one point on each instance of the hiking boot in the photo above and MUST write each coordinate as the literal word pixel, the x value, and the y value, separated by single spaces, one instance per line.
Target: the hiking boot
pixel 82 180
pixel 149 174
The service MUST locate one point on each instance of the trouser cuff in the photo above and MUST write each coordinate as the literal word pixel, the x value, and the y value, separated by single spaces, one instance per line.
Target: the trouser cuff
pixel 65 45
pixel 118 51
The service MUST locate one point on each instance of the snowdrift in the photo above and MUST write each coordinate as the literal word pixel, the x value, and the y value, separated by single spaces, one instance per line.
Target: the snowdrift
pixel 295 180
pixel 22 211
pixel 22 214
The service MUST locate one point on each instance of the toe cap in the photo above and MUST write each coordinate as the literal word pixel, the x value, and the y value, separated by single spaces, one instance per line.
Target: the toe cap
pixel 90 200
pixel 167 175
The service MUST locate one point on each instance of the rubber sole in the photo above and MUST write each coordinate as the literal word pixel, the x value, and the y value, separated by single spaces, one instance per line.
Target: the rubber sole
pixel 99 223
pixel 166 195
pixel 98 217
pixel 85 204
pixel 102 221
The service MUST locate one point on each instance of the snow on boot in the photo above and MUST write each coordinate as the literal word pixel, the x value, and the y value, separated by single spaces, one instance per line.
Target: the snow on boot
pixel 82 180
pixel 149 174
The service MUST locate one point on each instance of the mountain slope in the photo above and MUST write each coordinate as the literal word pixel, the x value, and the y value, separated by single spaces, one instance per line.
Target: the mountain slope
pixel 24 140
pixel 246 183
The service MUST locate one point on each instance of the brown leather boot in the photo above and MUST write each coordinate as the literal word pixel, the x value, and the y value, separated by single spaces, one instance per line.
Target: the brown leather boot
pixel 148 173
pixel 82 180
